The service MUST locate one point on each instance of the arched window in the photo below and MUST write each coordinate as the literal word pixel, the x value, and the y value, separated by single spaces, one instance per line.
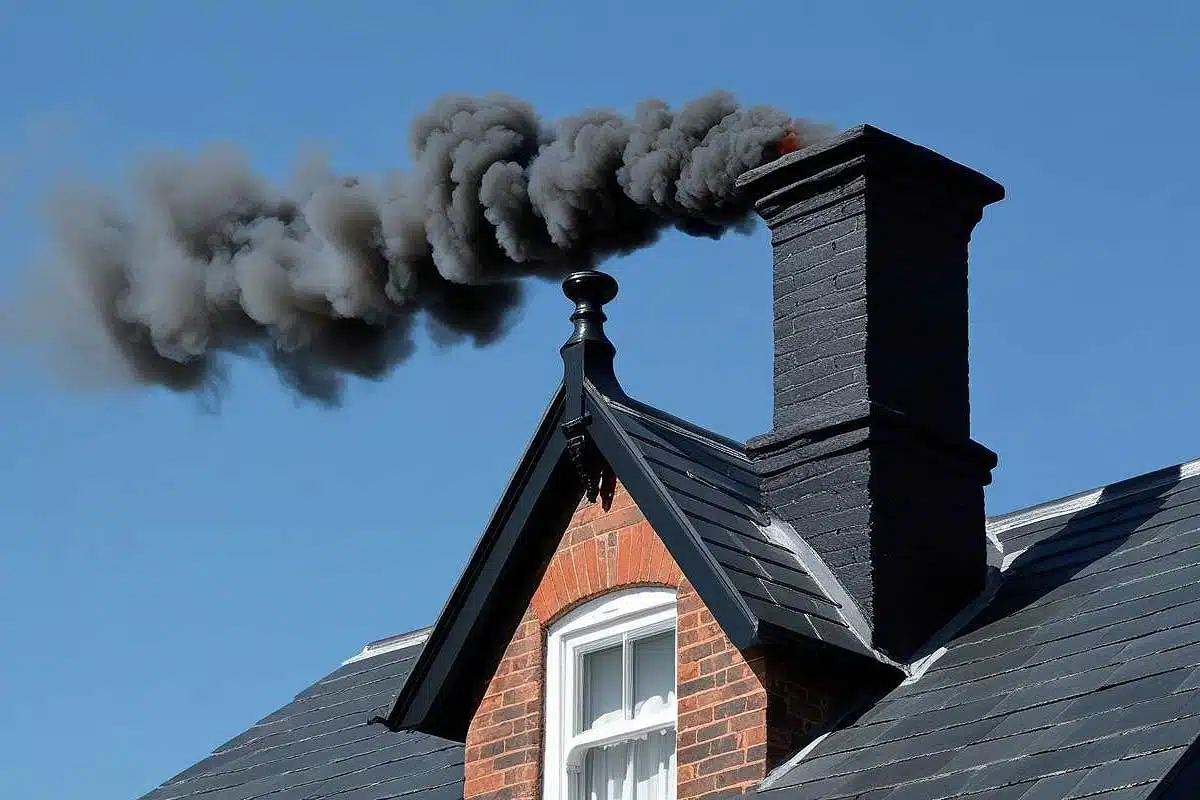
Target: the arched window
pixel 610 699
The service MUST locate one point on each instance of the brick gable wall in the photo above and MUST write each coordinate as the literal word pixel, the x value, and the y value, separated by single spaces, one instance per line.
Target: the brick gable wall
pixel 739 713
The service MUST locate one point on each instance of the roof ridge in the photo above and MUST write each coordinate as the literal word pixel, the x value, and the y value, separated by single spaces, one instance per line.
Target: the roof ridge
pixel 679 425
pixel 1092 498
pixel 387 644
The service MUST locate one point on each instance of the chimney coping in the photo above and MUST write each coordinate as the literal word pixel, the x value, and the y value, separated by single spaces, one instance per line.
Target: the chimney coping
pixel 872 144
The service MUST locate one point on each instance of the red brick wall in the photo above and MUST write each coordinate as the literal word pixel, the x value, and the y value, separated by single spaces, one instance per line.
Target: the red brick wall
pixel 739 714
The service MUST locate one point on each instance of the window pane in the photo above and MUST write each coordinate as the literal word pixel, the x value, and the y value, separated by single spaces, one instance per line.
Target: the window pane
pixel 653 673
pixel 643 769
pixel 655 766
pixel 608 774
pixel 601 687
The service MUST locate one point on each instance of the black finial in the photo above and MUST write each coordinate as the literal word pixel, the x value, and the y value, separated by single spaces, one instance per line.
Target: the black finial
pixel 589 290
pixel 588 356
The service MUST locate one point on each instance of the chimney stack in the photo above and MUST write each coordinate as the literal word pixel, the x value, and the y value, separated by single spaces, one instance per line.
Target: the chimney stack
pixel 870 456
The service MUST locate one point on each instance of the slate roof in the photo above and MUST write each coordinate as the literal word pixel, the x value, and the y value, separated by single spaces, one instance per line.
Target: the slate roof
pixel 1080 677
pixel 713 483
pixel 320 746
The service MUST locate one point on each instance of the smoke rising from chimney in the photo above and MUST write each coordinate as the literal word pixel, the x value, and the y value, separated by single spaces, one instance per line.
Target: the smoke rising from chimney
pixel 331 279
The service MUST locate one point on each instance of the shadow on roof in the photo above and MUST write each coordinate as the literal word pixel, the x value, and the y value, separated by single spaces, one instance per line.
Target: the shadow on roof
pixel 1055 550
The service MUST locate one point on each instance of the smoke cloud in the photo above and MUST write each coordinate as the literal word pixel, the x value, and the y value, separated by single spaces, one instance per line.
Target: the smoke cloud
pixel 331 279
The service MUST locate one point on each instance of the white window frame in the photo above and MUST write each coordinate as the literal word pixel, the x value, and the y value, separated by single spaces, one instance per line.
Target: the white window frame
pixel 608 620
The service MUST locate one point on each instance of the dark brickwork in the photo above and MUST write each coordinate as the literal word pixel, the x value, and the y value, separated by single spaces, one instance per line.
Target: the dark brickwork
pixel 820 307
pixel 870 456
pixel 740 714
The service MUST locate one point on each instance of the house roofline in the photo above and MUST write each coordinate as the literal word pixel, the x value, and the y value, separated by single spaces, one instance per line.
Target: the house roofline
pixel 1090 498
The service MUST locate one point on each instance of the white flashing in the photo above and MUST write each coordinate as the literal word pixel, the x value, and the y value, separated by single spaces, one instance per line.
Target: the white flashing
pixel 937 645
pixel 786 537
pixel 995 550
pixel 1009 558
pixel 918 668
pixel 382 646
pixel 786 766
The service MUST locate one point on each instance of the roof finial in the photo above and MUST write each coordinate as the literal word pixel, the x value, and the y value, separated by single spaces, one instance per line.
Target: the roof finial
pixel 588 360
pixel 588 354
pixel 589 290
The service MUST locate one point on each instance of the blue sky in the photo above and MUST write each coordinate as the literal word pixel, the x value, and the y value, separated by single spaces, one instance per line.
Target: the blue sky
pixel 168 577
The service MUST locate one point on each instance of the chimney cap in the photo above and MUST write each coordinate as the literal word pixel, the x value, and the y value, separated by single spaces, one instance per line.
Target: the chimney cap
pixel 867 146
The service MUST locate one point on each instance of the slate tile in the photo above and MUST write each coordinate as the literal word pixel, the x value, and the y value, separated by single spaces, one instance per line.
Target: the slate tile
pixel 820 789
pixel 1128 631
pixel 1126 772
pixel 1054 787
pixel 942 677
pixel 1142 792
pixel 1010 792
pixel 983 642
pixel 853 738
pixel 1032 676
pixel 1096 726
pixel 1125 694
pixel 1163 639
pixel 1191 682
pixel 817 767
pixel 979 754
pixel 944 718
pixel 1052 690
pixel 937 741
pixel 1154 711
pixel 1031 767
pixel 1180 659
pixel 1114 747
pixel 1027 719
pixel 937 788
pixel 835 633
pixel 898 773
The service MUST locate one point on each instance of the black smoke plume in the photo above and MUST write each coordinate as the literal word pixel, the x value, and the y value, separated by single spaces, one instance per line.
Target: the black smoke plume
pixel 331 279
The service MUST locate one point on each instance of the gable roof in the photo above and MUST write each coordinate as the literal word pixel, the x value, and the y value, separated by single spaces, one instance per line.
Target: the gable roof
pixel 319 745
pixel 1080 677
pixel 699 493
pixel 716 488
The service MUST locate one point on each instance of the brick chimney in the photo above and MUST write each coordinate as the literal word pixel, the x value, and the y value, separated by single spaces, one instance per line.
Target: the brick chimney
pixel 870 456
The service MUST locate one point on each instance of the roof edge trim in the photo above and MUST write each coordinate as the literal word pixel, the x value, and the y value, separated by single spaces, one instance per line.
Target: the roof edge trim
pixel 1091 498
pixel 724 601
pixel 545 438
